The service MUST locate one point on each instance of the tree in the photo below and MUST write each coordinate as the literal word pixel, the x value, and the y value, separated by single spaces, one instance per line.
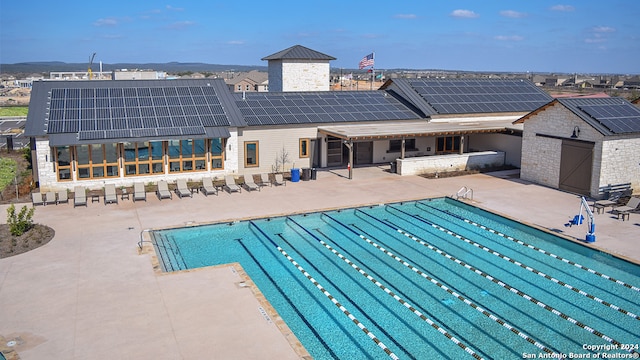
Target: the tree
pixel 282 158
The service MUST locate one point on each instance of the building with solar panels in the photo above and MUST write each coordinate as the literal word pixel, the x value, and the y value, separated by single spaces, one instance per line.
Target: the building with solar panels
pixel 582 144
pixel 120 131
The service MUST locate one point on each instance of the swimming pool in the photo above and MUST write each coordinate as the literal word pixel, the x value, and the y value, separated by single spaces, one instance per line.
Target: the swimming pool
pixel 435 278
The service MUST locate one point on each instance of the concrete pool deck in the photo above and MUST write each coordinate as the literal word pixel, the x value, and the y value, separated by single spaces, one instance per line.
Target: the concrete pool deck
pixel 89 294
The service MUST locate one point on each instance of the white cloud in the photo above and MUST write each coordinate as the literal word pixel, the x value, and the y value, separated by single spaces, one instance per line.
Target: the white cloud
pixel 460 13
pixel 405 16
pixel 563 8
pixel 509 38
pixel 171 8
pixel 106 22
pixel 235 42
pixel 513 14
pixel 603 29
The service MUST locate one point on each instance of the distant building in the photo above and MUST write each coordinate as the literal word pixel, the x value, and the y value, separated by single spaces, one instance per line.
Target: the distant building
pixel 299 69
pixel 253 81
pixel 125 74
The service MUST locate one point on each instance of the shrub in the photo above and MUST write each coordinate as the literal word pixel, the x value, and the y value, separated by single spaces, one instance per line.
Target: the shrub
pixel 21 222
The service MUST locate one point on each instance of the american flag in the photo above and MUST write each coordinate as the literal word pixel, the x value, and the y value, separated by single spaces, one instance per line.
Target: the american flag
pixel 366 61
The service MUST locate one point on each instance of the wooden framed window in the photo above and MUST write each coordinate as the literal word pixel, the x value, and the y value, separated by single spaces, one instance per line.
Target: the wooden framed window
pixel 448 144
pixel 187 155
pixel 251 154
pixel 143 158
pixel 63 162
pixel 97 161
pixel 304 148
pixel 217 153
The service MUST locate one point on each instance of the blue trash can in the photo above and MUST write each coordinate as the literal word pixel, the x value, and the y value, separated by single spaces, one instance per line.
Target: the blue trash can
pixel 295 175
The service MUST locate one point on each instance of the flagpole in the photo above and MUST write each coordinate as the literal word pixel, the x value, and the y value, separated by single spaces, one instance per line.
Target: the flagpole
pixel 373 72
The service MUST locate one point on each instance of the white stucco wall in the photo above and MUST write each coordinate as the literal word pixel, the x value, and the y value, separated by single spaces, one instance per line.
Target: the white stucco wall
pixel 511 145
pixel 271 141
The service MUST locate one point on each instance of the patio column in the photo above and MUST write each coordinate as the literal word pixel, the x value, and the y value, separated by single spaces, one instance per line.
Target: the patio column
pixel 349 144
pixel 402 149
pixel 461 144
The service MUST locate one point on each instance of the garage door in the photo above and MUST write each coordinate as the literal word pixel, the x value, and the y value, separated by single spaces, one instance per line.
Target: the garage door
pixel 576 163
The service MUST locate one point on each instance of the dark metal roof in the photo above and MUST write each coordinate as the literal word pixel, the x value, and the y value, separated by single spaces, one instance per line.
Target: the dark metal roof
pixel 298 52
pixel 284 108
pixel 610 116
pixel 76 112
pixel 470 96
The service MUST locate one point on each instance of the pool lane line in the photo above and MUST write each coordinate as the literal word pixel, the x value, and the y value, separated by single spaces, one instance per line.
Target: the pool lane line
pixel 511 288
pixel 400 300
pixel 532 270
pixel 329 296
pixel 289 301
pixel 533 247
pixel 436 282
pixel 340 292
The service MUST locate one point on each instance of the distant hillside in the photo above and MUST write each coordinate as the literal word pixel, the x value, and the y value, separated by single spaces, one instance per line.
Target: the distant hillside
pixel 172 67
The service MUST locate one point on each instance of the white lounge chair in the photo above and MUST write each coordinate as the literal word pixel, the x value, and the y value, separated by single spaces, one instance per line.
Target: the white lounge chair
pixel 37 199
pixel 230 184
pixel 182 190
pixel 163 190
pixel 63 197
pixel 624 210
pixel 207 187
pixel 50 198
pixel 264 180
pixel 250 184
pixel 278 179
pixel 79 196
pixel 139 193
pixel 110 196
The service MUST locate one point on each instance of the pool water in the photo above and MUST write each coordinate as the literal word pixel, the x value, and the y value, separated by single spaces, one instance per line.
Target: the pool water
pixel 435 278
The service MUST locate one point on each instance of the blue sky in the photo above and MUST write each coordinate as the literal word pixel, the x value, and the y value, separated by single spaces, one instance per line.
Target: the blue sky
pixel 586 36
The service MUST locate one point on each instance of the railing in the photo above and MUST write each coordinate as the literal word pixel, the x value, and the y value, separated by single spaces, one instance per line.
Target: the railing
pixel 465 193
pixel 142 238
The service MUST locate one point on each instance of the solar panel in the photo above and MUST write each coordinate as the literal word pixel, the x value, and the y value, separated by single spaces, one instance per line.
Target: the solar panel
pixel 619 118
pixel 477 96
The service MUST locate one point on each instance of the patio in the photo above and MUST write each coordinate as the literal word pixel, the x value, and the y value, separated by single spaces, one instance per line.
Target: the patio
pixel 89 294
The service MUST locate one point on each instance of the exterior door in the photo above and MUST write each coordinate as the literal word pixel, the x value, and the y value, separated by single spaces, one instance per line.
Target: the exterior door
pixel 363 153
pixel 334 151
pixel 576 164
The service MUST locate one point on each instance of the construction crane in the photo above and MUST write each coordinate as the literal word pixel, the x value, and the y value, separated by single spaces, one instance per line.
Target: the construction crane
pixel 90 73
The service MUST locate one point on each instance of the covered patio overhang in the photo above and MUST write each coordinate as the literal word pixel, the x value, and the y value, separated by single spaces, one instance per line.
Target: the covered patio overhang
pixel 351 133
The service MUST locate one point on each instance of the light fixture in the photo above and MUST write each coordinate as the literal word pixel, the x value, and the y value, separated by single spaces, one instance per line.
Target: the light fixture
pixel 576 132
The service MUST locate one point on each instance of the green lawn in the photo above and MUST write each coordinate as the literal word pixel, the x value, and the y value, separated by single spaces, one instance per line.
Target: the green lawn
pixel 14 111
pixel 7 172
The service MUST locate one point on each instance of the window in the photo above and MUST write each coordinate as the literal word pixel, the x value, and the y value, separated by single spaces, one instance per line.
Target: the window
pixel 143 158
pixel 304 148
pixel 97 161
pixel 448 144
pixel 187 155
pixel 63 162
pixel 247 87
pixel 396 145
pixel 251 154
pixel 217 154
pixel 239 87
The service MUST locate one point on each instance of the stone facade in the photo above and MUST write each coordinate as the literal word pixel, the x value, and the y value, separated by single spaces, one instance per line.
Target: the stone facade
pixel 299 75
pixel 616 159
pixel 451 162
